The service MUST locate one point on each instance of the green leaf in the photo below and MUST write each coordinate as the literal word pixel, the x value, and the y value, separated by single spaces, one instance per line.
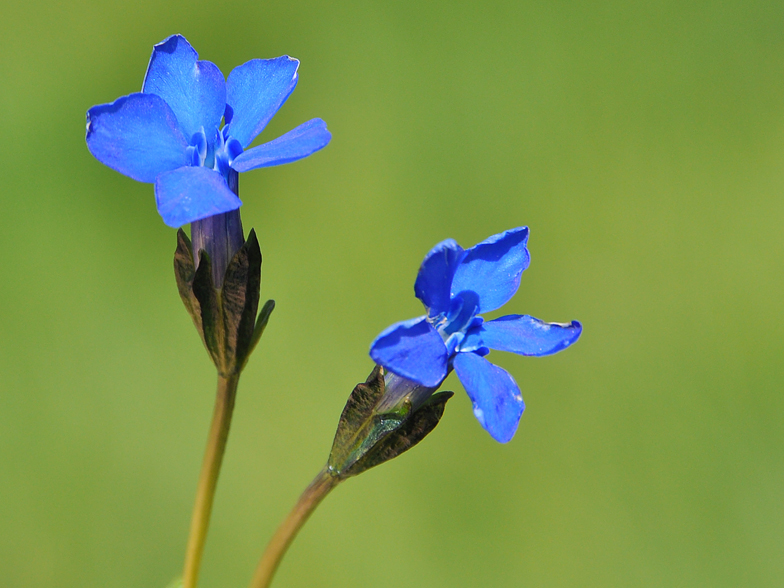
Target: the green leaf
pixel 176 583
pixel 411 431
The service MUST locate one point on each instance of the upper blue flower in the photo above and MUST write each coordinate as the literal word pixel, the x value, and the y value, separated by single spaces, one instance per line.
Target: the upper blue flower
pixel 455 285
pixel 170 132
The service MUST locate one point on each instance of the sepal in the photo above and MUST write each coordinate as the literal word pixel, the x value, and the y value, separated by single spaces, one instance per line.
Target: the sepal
pixel 261 324
pixel 369 435
pixel 184 271
pixel 412 430
pixel 225 319
pixel 205 298
pixel 240 301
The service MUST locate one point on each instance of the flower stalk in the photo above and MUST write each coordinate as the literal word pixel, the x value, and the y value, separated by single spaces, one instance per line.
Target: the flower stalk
pixel 226 318
pixel 318 489
pixel 384 416
pixel 208 479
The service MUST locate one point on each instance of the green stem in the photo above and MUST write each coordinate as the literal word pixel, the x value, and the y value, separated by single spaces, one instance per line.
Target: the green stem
pixel 208 479
pixel 276 549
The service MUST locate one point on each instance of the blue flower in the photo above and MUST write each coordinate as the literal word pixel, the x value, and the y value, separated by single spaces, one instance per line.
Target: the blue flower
pixel 455 285
pixel 170 133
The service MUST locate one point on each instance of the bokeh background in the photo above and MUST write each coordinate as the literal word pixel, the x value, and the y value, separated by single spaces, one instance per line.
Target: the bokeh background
pixel 643 143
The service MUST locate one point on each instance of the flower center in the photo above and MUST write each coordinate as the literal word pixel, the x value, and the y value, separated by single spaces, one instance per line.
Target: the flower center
pixel 226 150
pixel 217 154
pixel 456 322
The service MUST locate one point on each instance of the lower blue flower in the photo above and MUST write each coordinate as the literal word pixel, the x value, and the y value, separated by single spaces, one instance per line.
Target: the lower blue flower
pixel 456 285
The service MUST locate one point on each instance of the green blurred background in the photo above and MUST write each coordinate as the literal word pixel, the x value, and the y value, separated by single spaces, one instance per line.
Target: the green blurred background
pixel 643 143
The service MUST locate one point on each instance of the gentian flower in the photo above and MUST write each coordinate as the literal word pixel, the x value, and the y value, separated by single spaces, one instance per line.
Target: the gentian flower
pixel 170 133
pixel 456 285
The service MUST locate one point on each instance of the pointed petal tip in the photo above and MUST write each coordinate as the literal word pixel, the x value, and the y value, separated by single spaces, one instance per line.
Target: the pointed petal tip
pixel 170 43
pixel 524 335
pixel 195 90
pixel 574 330
pixel 500 435
pixel 298 143
pixel 492 269
pixel 255 92
pixel 498 404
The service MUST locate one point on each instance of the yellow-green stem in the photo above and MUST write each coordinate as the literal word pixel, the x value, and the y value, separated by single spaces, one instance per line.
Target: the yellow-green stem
pixel 208 479
pixel 307 503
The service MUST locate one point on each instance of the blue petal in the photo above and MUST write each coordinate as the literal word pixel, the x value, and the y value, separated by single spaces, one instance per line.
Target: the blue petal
pixel 524 335
pixel 498 404
pixel 412 349
pixel 491 270
pixel 434 279
pixel 254 93
pixel 307 138
pixel 195 90
pixel 137 135
pixel 189 194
